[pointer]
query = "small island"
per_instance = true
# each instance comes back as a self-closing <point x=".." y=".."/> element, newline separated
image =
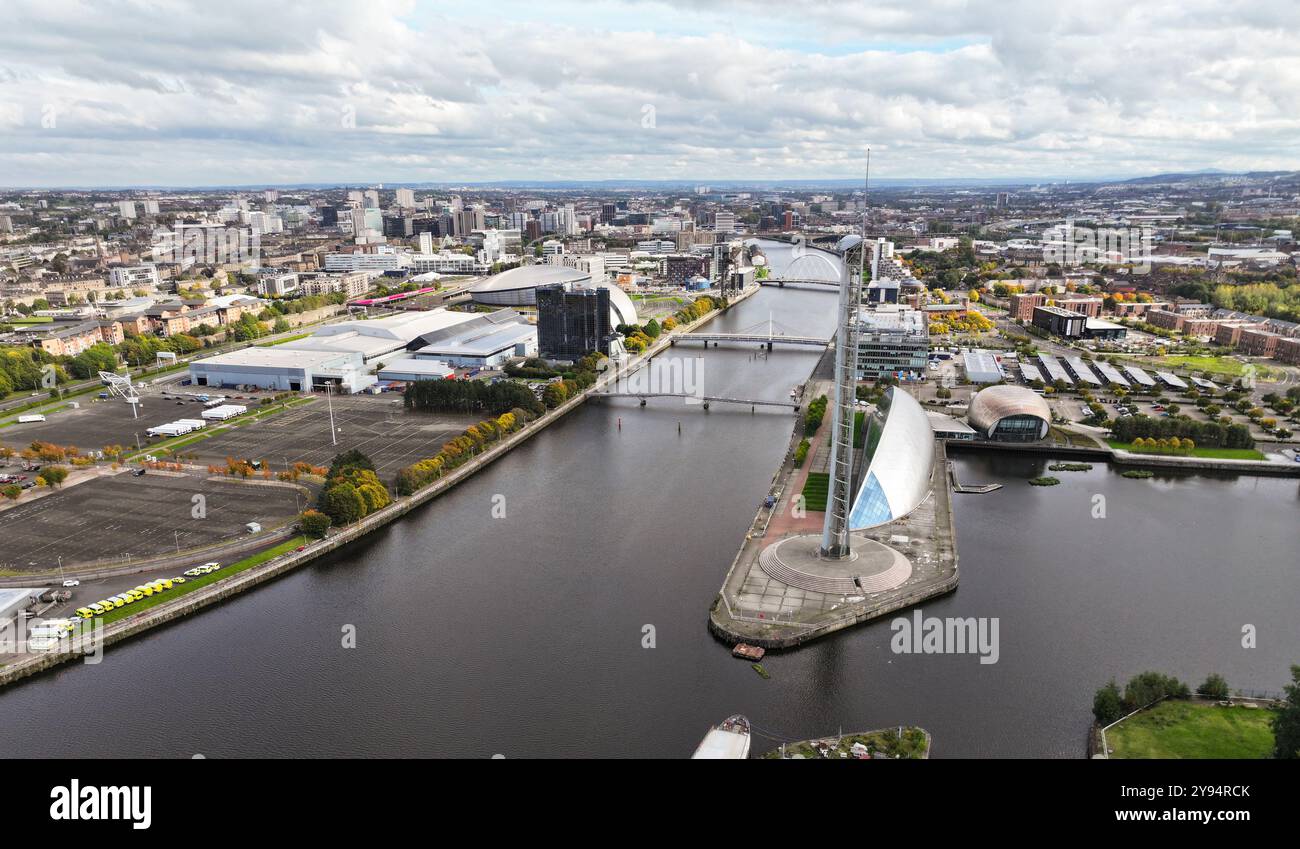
<point x="1070" y="467"/>
<point x="901" y="743"/>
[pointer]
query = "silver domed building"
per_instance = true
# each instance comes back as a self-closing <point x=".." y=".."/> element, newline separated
<point x="1007" y="413"/>
<point x="517" y="287"/>
<point x="898" y="478"/>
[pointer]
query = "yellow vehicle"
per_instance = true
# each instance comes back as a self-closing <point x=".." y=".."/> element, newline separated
<point x="178" y="580"/>
<point x="117" y="601"/>
<point x="85" y="612"/>
<point x="134" y="595"/>
<point x="166" y="583"/>
<point x="148" y="591"/>
<point x="98" y="609"/>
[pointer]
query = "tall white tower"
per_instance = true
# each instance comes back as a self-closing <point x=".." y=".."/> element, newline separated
<point x="835" y="528"/>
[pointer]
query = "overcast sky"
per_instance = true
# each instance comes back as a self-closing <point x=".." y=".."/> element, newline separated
<point x="110" y="92"/>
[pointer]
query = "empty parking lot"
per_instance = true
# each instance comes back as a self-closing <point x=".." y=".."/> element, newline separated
<point x="376" y="425"/>
<point x="104" y="520"/>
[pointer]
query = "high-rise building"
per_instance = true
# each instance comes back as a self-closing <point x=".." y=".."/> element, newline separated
<point x="724" y="221"/>
<point x="406" y="198"/>
<point x="680" y="268"/>
<point x="126" y="208"/>
<point x="572" y="321"/>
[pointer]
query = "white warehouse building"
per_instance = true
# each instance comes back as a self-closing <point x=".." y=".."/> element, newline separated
<point x="341" y="355"/>
<point x="284" y="369"/>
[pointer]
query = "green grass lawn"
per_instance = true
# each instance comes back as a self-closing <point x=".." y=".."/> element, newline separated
<point x="192" y="584"/>
<point x="293" y="338"/>
<point x="1208" y="453"/>
<point x="1184" y="729"/>
<point x="1223" y="366"/>
<point x="815" y="490"/>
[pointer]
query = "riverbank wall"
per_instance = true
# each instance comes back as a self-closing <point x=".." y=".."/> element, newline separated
<point x="1127" y="458"/>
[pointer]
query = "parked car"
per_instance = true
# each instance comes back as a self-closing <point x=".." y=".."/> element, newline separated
<point x="72" y="583"/>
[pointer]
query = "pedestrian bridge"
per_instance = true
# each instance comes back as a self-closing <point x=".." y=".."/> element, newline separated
<point x="767" y="340"/>
<point x="704" y="400"/>
<point x="782" y="281"/>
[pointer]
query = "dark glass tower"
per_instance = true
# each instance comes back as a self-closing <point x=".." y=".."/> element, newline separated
<point x="572" y="321"/>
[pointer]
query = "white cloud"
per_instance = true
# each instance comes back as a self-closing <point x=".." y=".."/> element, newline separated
<point x="247" y="92"/>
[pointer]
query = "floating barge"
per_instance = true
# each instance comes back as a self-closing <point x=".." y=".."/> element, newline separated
<point x="748" y="652"/>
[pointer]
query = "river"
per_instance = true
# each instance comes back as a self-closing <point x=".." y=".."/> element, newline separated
<point x="523" y="635"/>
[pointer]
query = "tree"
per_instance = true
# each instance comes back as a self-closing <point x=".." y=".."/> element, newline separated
<point x="1149" y="687"/>
<point x="12" y="491"/>
<point x="1214" y="687"/>
<point x="342" y="503"/>
<point x="1286" y="724"/>
<point x="349" y="460"/>
<point x="1107" y="705"/>
<point x="54" y="476"/>
<point x="314" y="523"/>
<point x="554" y="395"/>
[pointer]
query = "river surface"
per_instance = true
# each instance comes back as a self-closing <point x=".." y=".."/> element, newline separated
<point x="523" y="635"/>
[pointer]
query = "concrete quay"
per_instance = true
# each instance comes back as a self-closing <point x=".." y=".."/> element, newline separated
<point x="783" y="604"/>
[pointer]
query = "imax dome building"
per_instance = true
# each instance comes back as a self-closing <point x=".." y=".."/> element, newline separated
<point x="1006" y="413"/>
<point x="517" y="287"/>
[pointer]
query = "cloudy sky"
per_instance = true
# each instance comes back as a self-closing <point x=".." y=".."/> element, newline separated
<point x="115" y="92"/>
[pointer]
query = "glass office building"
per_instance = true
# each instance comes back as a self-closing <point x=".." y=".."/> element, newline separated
<point x="894" y="342"/>
<point x="572" y="321"/>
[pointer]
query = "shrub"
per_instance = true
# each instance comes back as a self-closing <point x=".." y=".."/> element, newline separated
<point x="315" y="523"/>
<point x="1214" y="686"/>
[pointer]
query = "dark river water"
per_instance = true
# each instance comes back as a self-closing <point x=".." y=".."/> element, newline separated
<point x="523" y="635"/>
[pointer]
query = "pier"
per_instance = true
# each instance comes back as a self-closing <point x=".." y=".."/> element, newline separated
<point x="973" y="488"/>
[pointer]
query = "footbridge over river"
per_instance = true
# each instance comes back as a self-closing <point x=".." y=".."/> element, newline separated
<point x="702" y="400"/>
<point x="764" y="334"/>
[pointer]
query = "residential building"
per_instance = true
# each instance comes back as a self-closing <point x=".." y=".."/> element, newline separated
<point x="1024" y="303"/>
<point x="573" y="320"/>
<point x="134" y="277"/>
